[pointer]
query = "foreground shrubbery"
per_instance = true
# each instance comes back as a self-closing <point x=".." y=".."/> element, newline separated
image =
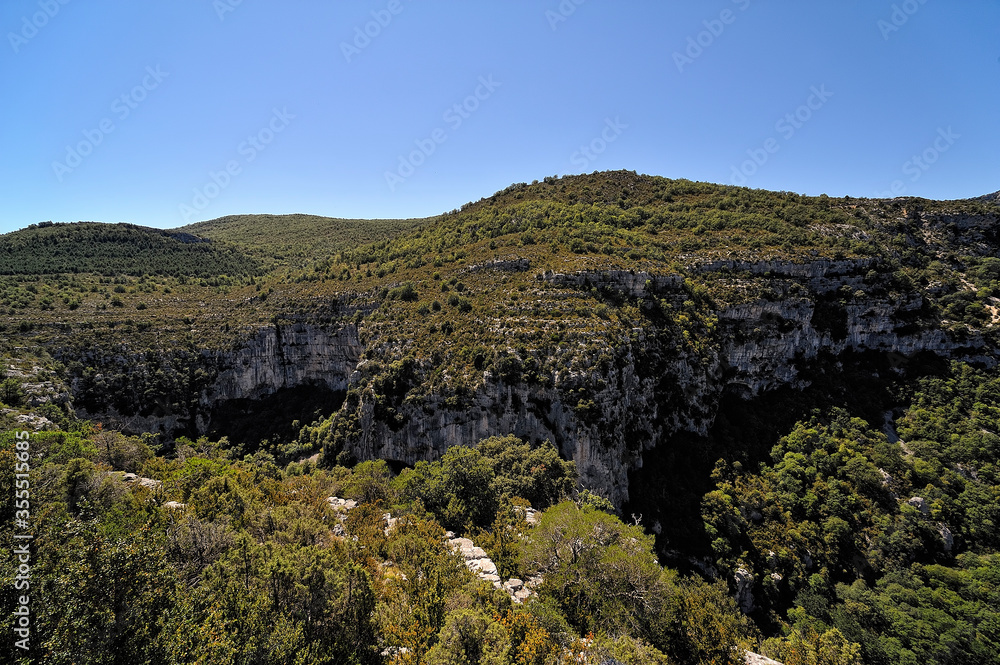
<point x="858" y="549"/>
<point x="253" y="570"/>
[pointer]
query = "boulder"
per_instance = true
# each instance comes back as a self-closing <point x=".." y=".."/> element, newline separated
<point x="946" y="537"/>
<point x="341" y="504"/>
<point x="920" y="504"/>
<point x="149" y="483"/>
<point x="522" y="595"/>
<point x="513" y="585"/>
<point x="482" y="565"/>
<point x="744" y="590"/>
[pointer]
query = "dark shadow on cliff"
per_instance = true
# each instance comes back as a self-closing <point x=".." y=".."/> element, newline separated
<point x="248" y="422"/>
<point x="667" y="490"/>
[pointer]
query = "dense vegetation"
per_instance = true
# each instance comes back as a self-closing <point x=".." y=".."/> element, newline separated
<point x="293" y="240"/>
<point x="255" y="567"/>
<point x="117" y="249"/>
<point x="842" y="543"/>
<point x="860" y="550"/>
<point x="895" y="544"/>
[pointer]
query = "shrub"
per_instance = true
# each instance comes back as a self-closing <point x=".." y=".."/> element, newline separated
<point x="601" y="572"/>
<point x="11" y="392"/>
<point x="407" y="293"/>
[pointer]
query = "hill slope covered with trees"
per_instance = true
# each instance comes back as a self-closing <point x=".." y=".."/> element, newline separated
<point x="749" y="419"/>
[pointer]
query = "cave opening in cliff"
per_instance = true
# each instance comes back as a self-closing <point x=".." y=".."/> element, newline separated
<point x="275" y="419"/>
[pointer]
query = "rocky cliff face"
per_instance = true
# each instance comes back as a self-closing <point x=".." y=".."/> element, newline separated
<point x="279" y="357"/>
<point x="766" y="338"/>
<point x="176" y="392"/>
<point x="652" y="389"/>
<point x="629" y="408"/>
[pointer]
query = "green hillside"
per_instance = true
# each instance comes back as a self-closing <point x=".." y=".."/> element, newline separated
<point x="747" y="420"/>
<point x="117" y="249"/>
<point x="295" y="240"/>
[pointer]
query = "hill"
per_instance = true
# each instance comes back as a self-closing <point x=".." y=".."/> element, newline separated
<point x="793" y="393"/>
<point x="296" y="240"/>
<point x="117" y="249"/>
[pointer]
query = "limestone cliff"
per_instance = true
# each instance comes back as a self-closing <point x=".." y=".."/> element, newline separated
<point x="602" y="413"/>
<point x="176" y="391"/>
<point x="652" y="389"/>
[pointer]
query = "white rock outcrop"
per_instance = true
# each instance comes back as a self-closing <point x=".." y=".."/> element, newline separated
<point x="483" y="567"/>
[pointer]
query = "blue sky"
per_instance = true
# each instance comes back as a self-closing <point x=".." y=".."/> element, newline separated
<point x="167" y="112"/>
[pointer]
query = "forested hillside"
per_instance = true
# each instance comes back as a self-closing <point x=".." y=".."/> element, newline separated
<point x="292" y="240"/>
<point x="117" y="249"/>
<point x="747" y="420"/>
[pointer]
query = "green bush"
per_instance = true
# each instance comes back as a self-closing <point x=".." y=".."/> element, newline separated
<point x="11" y="392"/>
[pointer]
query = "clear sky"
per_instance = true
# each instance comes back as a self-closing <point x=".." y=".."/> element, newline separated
<point x="163" y="112"/>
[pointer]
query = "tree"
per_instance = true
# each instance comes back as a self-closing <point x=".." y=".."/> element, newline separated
<point x="504" y="538"/>
<point x="101" y="592"/>
<point x="705" y="625"/>
<point x="830" y="648"/>
<point x="455" y="490"/>
<point x="469" y="637"/>
<point x="536" y="474"/>
<point x="277" y="603"/>
<point x="11" y="392"/>
<point x="370" y="482"/>
<point x="602" y="572"/>
<point x="468" y="485"/>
